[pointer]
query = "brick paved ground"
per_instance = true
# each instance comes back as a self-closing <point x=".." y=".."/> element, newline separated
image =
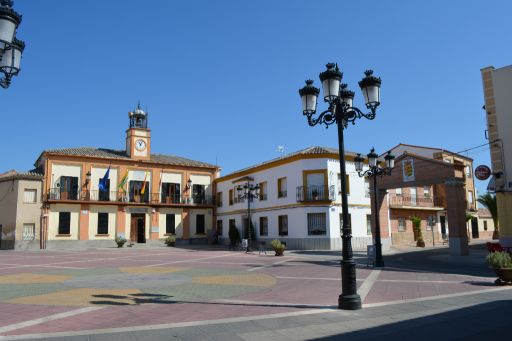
<point x="91" y="292"/>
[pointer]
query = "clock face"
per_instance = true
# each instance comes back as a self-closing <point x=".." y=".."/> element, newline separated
<point x="140" y="145"/>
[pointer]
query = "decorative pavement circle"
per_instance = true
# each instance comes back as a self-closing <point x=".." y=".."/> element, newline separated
<point x="129" y="286"/>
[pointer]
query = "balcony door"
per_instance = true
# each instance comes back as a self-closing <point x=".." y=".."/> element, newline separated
<point x="68" y="188"/>
<point x="413" y="196"/>
<point x="199" y="194"/>
<point x="136" y="191"/>
<point x="170" y="193"/>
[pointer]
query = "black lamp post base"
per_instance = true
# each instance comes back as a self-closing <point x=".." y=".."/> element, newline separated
<point x="379" y="264"/>
<point x="349" y="302"/>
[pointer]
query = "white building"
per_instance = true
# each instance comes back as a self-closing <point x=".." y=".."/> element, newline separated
<point x="299" y="201"/>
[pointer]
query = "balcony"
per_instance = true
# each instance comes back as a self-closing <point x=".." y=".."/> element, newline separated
<point x="401" y="201"/>
<point x="315" y="193"/>
<point x="56" y="195"/>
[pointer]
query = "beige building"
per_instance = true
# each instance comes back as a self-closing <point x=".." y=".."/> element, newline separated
<point x="485" y="223"/>
<point x="20" y="209"/>
<point x="93" y="195"/>
<point x="498" y="106"/>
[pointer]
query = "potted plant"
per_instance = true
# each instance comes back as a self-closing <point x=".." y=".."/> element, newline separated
<point x="120" y="240"/>
<point x="416" y="224"/>
<point x="170" y="241"/>
<point x="278" y="247"/>
<point x="501" y="262"/>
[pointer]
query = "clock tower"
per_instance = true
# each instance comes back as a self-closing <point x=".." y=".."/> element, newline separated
<point x="138" y="136"/>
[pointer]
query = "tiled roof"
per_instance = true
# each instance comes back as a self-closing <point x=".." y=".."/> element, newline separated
<point x="13" y="174"/>
<point x="484" y="212"/>
<point x="121" y="155"/>
<point x="306" y="151"/>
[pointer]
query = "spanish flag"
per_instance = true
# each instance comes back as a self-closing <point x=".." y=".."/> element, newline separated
<point x="123" y="182"/>
<point x="143" y="190"/>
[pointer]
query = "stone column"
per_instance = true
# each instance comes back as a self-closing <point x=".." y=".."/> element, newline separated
<point x="456" y="207"/>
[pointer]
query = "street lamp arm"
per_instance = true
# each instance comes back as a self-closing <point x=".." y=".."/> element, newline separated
<point x="326" y="117"/>
<point x="351" y="114"/>
<point x="377" y="171"/>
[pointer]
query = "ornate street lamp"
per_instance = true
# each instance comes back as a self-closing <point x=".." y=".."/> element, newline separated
<point x="249" y="192"/>
<point x="341" y="111"/>
<point x="11" y="48"/>
<point x="373" y="171"/>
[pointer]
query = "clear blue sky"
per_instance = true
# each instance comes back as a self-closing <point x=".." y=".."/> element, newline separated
<point x="220" y="78"/>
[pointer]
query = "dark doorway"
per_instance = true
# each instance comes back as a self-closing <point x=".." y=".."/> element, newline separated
<point x="442" y="220"/>
<point x="474" y="228"/>
<point x="138" y="228"/>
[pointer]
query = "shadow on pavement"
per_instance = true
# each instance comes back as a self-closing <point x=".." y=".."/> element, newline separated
<point x="486" y="321"/>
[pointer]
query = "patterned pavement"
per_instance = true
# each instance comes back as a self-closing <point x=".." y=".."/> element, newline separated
<point x="48" y="292"/>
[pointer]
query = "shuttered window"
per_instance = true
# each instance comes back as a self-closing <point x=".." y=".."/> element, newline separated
<point x="64" y="222"/>
<point x="30" y="196"/>
<point x="29" y="231"/>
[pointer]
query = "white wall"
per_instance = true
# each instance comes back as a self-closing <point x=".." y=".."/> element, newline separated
<point x="202" y="180"/>
<point x="97" y="173"/>
<point x="178" y="221"/>
<point x="93" y="221"/>
<point x="207" y="222"/>
<point x="53" y="223"/>
<point x="59" y="170"/>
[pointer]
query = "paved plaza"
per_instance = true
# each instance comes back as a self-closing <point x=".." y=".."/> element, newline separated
<point x="165" y="293"/>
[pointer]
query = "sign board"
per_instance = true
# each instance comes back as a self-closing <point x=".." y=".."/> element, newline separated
<point x="408" y="170"/>
<point x="482" y="172"/>
<point x="370" y="252"/>
<point x="154" y="229"/>
<point x="245" y="242"/>
<point x="137" y="210"/>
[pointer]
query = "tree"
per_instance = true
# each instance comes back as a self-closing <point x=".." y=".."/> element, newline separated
<point x="234" y="235"/>
<point x="488" y="200"/>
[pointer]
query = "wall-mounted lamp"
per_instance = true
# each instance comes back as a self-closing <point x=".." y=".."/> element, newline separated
<point x="87" y="179"/>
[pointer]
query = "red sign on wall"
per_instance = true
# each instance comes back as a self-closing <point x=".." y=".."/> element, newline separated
<point x="482" y="172"/>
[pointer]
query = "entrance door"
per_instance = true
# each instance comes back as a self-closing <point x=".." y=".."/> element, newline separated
<point x="474" y="228"/>
<point x="138" y="228"/>
<point x="442" y="220"/>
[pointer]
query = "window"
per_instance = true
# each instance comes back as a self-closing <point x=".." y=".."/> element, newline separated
<point x="468" y="171"/>
<point x="30" y="196"/>
<point x="263" y="226"/>
<point x="218" y="198"/>
<point x="401" y="224"/>
<point x="102" y="223"/>
<point x="349" y="222"/>
<point x="369" y="224"/>
<point x="219" y="228"/>
<point x="366" y="187"/>
<point x="282" y="188"/>
<point x="485" y="225"/>
<point x="398" y="191"/>
<point x="136" y="194"/>
<point x="283" y="225"/>
<point x="426" y="192"/>
<point x="29" y="231"/>
<point x="347" y="183"/>
<point x="430" y="223"/>
<point x="200" y="224"/>
<point x="68" y="188"/>
<point x="103" y="194"/>
<point x="263" y="190"/>
<point x="230" y="197"/>
<point x="199" y="194"/>
<point x="470" y="197"/>
<point x="170" y="223"/>
<point x="232" y="224"/>
<point x="64" y="222"/>
<point x="171" y="193"/>
<point x="316" y="224"/>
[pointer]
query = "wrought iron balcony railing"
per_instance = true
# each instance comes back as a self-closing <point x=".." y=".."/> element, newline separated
<point x="56" y="194"/>
<point x="315" y="193"/>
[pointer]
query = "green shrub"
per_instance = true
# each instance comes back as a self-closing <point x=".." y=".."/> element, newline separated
<point x="277" y="245"/>
<point x="170" y="240"/>
<point x="234" y="235"/>
<point x="499" y="260"/>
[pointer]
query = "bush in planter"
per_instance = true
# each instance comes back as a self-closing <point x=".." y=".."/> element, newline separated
<point x="278" y="247"/>
<point x="501" y="262"/>
<point x="170" y="241"/>
<point x="120" y="240"/>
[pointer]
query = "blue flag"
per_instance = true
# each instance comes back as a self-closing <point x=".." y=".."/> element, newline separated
<point x="103" y="181"/>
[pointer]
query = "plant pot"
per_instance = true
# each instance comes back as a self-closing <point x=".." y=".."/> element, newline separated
<point x="279" y="252"/>
<point x="120" y="244"/>
<point x="420" y="243"/>
<point x="504" y="275"/>
<point x="171" y="244"/>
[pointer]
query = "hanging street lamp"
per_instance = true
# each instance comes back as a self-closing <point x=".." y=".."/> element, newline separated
<point x="342" y="112"/>
<point x="249" y="192"/>
<point x="11" y="48"/>
<point x="374" y="171"/>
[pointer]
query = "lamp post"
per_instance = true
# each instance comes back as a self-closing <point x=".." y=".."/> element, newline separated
<point x="373" y="171"/>
<point x="249" y="192"/>
<point x="11" y="48"/>
<point x="341" y="112"/>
